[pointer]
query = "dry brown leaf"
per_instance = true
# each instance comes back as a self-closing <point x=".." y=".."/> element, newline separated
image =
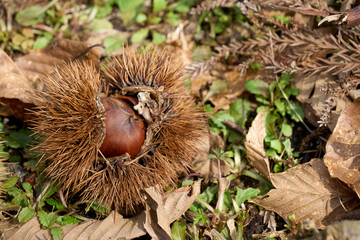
<point x="235" y="87"/>
<point x="311" y="93"/>
<point x="178" y="201"/>
<point x="13" y="83"/>
<point x="163" y="211"/>
<point x="308" y="191"/>
<point x="343" y="147"/>
<point x="39" y="62"/>
<point x="157" y="223"/>
<point x="15" y="88"/>
<point x="254" y="145"/>
<point x="203" y="164"/>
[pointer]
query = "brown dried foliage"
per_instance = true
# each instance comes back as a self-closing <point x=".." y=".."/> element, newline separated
<point x="71" y="122"/>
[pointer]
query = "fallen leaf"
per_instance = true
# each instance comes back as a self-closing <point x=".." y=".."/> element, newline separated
<point x="15" y="88"/>
<point x="235" y="87"/>
<point x="13" y="83"/>
<point x="308" y="191"/>
<point x="178" y="201"/>
<point x="40" y="62"/>
<point x="157" y="223"/>
<point x="163" y="211"/>
<point x="254" y="145"/>
<point x="311" y="93"/>
<point x="231" y="77"/>
<point x="206" y="166"/>
<point x="343" y="147"/>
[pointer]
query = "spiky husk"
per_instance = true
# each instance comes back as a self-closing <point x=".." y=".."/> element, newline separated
<point x="71" y="123"/>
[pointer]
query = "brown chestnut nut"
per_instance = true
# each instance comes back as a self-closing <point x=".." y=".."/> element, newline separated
<point x="125" y="130"/>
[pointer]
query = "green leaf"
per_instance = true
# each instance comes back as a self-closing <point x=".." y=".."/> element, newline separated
<point x="257" y="87"/>
<point x="178" y="230"/>
<point x="216" y="87"/>
<point x="271" y="153"/>
<point x="51" y="190"/>
<point x="114" y="42"/>
<point x="183" y="6"/>
<point x="19" y="139"/>
<point x="42" y="42"/>
<point x="30" y="16"/>
<point x="158" y="38"/>
<point x="208" y="195"/>
<point x="46" y="220"/>
<point x="103" y="11"/>
<point x="155" y="20"/>
<point x="280" y="106"/>
<point x="26" y="214"/>
<point x="277" y="145"/>
<point x="159" y="5"/>
<point x="240" y="110"/>
<point x="56" y="233"/>
<point x="67" y="220"/>
<point x="279" y="167"/>
<point x="55" y="203"/>
<point x="10" y="182"/>
<point x="285" y="80"/>
<point x="140" y="18"/>
<point x="28" y="188"/>
<point x="129" y="9"/>
<point x="287" y="146"/>
<point x="20" y="200"/>
<point x="245" y="195"/>
<point x="255" y="65"/>
<point x="298" y="109"/>
<point x="33" y="15"/>
<point x="100" y="24"/>
<point x="287" y="130"/>
<point x="173" y="18"/>
<point x="282" y="18"/>
<point x="140" y="35"/>
<point x="13" y="191"/>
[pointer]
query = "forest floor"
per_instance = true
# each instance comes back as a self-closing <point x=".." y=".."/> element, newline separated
<point x="277" y="82"/>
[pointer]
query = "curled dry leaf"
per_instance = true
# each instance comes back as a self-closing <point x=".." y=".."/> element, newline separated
<point x="171" y="206"/>
<point x="203" y="164"/>
<point x="254" y="145"/>
<point x="343" y="148"/>
<point x="308" y="191"/>
<point x="234" y="85"/>
<point x="15" y="88"/>
<point x="178" y="201"/>
<point x="157" y="222"/>
<point x="41" y="62"/>
<point x="312" y="95"/>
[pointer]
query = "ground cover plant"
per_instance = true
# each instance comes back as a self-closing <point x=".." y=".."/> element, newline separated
<point x="250" y="110"/>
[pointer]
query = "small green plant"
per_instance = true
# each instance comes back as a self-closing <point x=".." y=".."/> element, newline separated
<point x="281" y="114"/>
<point x="238" y="113"/>
<point x="37" y="201"/>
